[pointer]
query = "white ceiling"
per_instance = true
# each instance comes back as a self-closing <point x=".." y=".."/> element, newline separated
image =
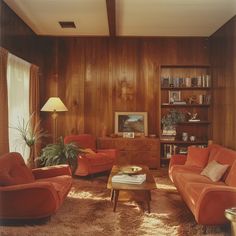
<point x="133" y="17"/>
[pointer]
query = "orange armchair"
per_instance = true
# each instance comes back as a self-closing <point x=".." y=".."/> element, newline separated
<point x="31" y="194"/>
<point x="94" y="160"/>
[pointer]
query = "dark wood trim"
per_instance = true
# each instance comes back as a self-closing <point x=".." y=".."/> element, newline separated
<point x="111" y="15"/>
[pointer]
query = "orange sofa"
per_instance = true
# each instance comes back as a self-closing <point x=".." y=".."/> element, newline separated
<point x="93" y="160"/>
<point x="206" y="199"/>
<point x="31" y="194"/>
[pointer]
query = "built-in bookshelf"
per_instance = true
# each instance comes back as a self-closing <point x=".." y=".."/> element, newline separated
<point x="187" y="90"/>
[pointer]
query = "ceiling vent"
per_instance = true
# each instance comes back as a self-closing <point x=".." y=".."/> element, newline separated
<point x="67" y="24"/>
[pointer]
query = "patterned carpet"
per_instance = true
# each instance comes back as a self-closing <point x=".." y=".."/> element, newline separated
<point x="88" y="211"/>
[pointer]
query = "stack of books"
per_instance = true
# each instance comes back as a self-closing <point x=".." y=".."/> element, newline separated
<point x="129" y="179"/>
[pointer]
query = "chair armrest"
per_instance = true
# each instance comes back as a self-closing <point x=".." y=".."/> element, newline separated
<point x="32" y="200"/>
<point x="178" y="159"/>
<point x="51" y="171"/>
<point x="110" y="152"/>
<point x="212" y="203"/>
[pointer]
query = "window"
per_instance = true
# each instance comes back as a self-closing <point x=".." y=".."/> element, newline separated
<point x="18" y="77"/>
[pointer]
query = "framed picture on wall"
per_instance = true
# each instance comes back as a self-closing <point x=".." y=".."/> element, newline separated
<point x="131" y="122"/>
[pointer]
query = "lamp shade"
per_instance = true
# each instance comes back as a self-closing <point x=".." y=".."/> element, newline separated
<point x="54" y="104"/>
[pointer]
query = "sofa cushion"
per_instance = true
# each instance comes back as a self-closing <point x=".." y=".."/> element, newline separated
<point x="225" y="156"/>
<point x="214" y="149"/>
<point x="185" y="169"/>
<point x="13" y="170"/>
<point x="184" y="178"/>
<point x="214" y="170"/>
<point x="231" y="178"/>
<point x="197" y="156"/>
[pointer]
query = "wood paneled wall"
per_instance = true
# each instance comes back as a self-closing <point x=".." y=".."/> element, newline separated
<point x="223" y="60"/>
<point x="97" y="76"/>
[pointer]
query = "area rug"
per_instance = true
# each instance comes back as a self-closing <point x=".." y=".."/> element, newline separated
<point x="88" y="211"/>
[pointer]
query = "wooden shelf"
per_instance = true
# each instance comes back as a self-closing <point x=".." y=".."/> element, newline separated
<point x="184" y="66"/>
<point x="188" y="80"/>
<point x="185" y="88"/>
<point x="202" y="122"/>
<point x="197" y="142"/>
<point x="185" y="105"/>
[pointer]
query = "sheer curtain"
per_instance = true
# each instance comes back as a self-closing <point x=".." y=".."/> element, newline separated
<point x="18" y="77"/>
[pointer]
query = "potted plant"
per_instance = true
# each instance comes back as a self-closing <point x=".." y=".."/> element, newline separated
<point x="29" y="135"/>
<point x="170" y="120"/>
<point x="60" y="153"/>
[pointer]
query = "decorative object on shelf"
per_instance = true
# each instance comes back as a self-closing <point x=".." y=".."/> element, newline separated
<point x="192" y="100"/>
<point x="128" y="134"/>
<point x="170" y="120"/>
<point x="54" y="105"/>
<point x="185" y="136"/>
<point x="193" y="117"/>
<point x="192" y="138"/>
<point x="135" y="122"/>
<point x="174" y="96"/>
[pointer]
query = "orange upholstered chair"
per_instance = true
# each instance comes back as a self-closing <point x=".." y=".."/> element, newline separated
<point x="94" y="160"/>
<point x="31" y="194"/>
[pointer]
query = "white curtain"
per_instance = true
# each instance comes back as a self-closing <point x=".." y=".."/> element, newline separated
<point x="18" y="77"/>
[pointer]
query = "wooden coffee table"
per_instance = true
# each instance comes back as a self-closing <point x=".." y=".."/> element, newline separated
<point x="145" y="187"/>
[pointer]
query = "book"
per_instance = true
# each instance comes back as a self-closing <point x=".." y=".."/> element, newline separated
<point x="129" y="179"/>
<point x="194" y="120"/>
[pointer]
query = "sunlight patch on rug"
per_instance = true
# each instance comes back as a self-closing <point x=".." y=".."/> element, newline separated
<point x="165" y="187"/>
<point x="86" y="195"/>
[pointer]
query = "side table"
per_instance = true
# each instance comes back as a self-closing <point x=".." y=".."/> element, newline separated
<point x="230" y="214"/>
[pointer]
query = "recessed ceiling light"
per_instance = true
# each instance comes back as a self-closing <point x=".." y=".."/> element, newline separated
<point x="67" y="24"/>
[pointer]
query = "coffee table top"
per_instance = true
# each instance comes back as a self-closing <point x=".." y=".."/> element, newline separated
<point x="147" y="185"/>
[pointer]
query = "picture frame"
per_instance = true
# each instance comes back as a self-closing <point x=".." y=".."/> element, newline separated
<point x="131" y="122"/>
<point x="174" y="96"/>
<point x="128" y="134"/>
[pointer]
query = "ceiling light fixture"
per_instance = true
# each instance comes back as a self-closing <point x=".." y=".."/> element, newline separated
<point x="67" y="24"/>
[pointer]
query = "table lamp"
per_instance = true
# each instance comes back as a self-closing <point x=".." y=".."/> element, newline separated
<point x="54" y="105"/>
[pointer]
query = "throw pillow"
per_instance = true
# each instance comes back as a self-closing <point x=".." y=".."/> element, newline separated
<point x="197" y="156"/>
<point x="214" y="170"/>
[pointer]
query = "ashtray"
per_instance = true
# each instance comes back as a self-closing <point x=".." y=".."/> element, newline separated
<point x="131" y="169"/>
